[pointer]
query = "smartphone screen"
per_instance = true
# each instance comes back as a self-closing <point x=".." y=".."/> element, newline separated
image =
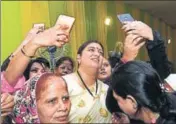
<point x="41" y="26"/>
<point x="125" y="17"/>
<point x="67" y="20"/>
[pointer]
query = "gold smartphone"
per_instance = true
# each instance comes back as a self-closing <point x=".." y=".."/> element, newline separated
<point x="67" y="20"/>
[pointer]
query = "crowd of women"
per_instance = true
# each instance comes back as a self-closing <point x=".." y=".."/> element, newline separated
<point x="100" y="90"/>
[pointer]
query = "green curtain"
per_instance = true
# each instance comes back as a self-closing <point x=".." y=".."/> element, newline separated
<point x="112" y="33"/>
<point x="78" y="35"/>
<point x="11" y="33"/>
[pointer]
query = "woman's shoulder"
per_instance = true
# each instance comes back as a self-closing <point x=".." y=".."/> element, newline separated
<point x="72" y="83"/>
<point x="69" y="77"/>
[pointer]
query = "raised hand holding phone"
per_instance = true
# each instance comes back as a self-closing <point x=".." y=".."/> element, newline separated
<point x="130" y="26"/>
<point x="61" y="21"/>
<point x="37" y="28"/>
<point x="133" y="42"/>
<point x="127" y="21"/>
<point x="67" y="21"/>
<point x="139" y="28"/>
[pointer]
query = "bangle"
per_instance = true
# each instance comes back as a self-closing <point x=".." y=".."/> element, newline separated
<point x="22" y="50"/>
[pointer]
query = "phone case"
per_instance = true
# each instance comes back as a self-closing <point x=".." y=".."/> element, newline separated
<point x="67" y="20"/>
<point x="125" y="17"/>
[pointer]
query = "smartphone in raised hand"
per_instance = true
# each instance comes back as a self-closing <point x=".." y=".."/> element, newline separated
<point x="125" y="17"/>
<point x="41" y="26"/>
<point x="67" y="20"/>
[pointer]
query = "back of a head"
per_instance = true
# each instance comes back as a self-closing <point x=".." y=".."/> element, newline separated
<point x="140" y="80"/>
<point x="114" y="58"/>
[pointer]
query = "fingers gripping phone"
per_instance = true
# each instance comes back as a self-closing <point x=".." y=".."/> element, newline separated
<point x="66" y="20"/>
<point x="41" y="26"/>
<point x="61" y="20"/>
<point x="125" y="17"/>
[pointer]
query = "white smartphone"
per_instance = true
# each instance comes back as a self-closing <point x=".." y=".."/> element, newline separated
<point x="41" y="26"/>
<point x="67" y="20"/>
<point x="125" y="17"/>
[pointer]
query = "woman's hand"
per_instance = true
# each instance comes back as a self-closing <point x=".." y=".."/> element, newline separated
<point x="55" y="36"/>
<point x="131" y="46"/>
<point x="138" y="28"/>
<point x="31" y="34"/>
<point x="7" y="104"/>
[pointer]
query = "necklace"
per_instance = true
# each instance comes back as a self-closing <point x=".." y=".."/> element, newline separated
<point x="87" y="86"/>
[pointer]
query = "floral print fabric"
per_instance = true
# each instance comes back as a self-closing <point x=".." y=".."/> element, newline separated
<point x="25" y="109"/>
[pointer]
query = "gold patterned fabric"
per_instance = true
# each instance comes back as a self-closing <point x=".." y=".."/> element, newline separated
<point x="85" y="108"/>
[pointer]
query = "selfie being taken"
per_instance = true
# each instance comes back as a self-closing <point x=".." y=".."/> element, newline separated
<point x="88" y="62"/>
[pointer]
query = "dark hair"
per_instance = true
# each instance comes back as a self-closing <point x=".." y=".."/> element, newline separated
<point x="114" y="58"/>
<point x="5" y="63"/>
<point x="64" y="58"/>
<point x="85" y="44"/>
<point x="39" y="60"/>
<point x="140" y="80"/>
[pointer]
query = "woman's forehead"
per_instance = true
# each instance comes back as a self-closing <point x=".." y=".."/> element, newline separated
<point x="59" y="85"/>
<point x="36" y="64"/>
<point x="66" y="62"/>
<point x="49" y="82"/>
<point x="55" y="81"/>
<point x="94" y="45"/>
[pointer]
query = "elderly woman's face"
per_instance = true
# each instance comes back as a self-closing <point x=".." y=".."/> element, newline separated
<point x="53" y="104"/>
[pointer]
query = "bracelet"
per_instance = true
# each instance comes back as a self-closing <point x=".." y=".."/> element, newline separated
<point x="22" y="50"/>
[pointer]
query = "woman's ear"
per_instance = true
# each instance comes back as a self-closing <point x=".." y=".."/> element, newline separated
<point x="78" y="59"/>
<point x="133" y="101"/>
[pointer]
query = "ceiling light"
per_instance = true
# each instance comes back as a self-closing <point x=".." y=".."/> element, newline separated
<point x="107" y="21"/>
